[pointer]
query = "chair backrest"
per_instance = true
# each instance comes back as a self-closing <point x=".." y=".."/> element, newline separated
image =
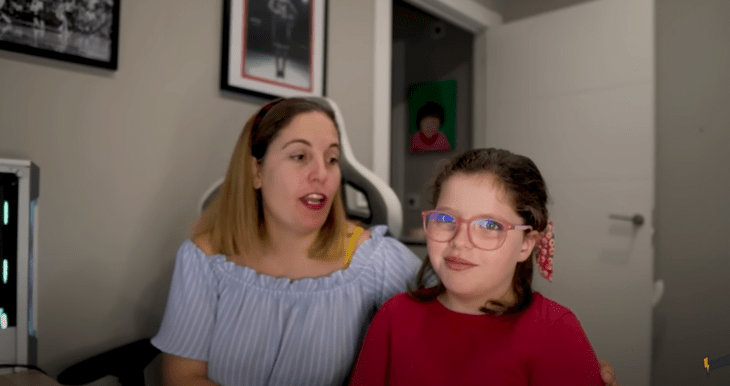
<point x="383" y="206"/>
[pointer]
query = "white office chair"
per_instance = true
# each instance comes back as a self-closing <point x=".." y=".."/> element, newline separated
<point x="383" y="206"/>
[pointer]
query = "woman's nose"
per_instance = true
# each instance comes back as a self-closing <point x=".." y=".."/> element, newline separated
<point x="319" y="170"/>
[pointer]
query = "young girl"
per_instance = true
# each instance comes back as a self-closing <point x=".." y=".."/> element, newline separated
<point x="482" y="323"/>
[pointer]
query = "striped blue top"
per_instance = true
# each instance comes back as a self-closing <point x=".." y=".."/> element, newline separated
<point x="255" y="329"/>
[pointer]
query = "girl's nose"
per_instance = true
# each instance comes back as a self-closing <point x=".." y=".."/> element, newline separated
<point x="461" y="238"/>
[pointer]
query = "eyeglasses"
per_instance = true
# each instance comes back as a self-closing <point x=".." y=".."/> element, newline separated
<point x="484" y="233"/>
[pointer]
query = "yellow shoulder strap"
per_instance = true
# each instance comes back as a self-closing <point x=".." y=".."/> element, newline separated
<point x="351" y="243"/>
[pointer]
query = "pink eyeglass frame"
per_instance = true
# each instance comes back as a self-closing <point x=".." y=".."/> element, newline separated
<point x="459" y="220"/>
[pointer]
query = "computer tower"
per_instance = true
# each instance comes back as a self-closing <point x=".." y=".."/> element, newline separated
<point x="19" y="190"/>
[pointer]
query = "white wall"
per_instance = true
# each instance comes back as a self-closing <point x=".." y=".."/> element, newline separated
<point x="125" y="155"/>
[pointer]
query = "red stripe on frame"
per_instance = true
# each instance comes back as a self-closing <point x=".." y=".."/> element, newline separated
<point x="243" y="36"/>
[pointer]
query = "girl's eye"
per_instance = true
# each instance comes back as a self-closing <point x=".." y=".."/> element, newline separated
<point x="489" y="224"/>
<point x="443" y="217"/>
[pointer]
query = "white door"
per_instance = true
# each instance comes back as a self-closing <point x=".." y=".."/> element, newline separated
<point x="573" y="89"/>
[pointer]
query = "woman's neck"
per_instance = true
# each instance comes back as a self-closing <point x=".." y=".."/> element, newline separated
<point x="288" y="245"/>
<point x="287" y="255"/>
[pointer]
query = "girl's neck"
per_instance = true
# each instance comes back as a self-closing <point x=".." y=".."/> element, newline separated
<point x="473" y="304"/>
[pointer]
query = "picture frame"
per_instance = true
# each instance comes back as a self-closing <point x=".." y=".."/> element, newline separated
<point x="274" y="48"/>
<point x="432" y="112"/>
<point x="84" y="32"/>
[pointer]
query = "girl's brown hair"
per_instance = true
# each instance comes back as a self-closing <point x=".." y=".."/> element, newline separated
<point x="234" y="222"/>
<point x="526" y="190"/>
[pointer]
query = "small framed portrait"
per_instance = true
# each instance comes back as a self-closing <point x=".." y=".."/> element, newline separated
<point x="432" y="109"/>
<point x="274" y="48"/>
<point x="79" y="31"/>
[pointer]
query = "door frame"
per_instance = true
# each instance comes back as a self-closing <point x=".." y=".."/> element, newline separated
<point x="466" y="14"/>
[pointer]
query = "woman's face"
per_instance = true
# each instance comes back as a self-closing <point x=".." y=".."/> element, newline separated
<point x="467" y="272"/>
<point x="300" y="174"/>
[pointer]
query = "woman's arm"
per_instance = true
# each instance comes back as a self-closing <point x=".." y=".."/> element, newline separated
<point x="184" y="372"/>
<point x="187" y="325"/>
<point x="607" y="373"/>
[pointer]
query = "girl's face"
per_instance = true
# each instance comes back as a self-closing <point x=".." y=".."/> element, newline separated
<point x="470" y="274"/>
<point x="430" y="125"/>
<point x="300" y="174"/>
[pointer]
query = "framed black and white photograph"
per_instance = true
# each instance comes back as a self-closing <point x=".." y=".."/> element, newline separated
<point x="274" y="48"/>
<point x="79" y="31"/>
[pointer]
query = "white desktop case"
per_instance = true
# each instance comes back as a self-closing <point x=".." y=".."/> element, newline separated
<point x="19" y="344"/>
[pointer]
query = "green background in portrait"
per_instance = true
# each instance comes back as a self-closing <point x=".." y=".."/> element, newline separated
<point x="442" y="92"/>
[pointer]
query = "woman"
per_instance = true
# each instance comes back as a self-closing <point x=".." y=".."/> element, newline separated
<point x="265" y="293"/>
<point x="276" y="286"/>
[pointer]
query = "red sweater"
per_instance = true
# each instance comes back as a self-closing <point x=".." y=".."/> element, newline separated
<point x="414" y="343"/>
<point x="419" y="142"/>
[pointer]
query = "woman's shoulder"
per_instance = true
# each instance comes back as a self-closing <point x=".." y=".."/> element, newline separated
<point x="202" y="242"/>
<point x="364" y="234"/>
<point x="380" y="246"/>
<point x="380" y="237"/>
<point x="197" y="251"/>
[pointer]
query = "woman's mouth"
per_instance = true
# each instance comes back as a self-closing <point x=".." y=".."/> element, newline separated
<point x="314" y="201"/>
<point x="457" y="264"/>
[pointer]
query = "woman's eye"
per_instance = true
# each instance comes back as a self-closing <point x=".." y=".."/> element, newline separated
<point x="297" y="157"/>
<point x="334" y="160"/>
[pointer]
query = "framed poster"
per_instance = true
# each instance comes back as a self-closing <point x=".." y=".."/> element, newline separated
<point x="79" y="31"/>
<point x="432" y="110"/>
<point x="274" y="48"/>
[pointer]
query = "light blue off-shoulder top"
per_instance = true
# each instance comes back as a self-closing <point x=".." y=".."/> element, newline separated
<point x="256" y="329"/>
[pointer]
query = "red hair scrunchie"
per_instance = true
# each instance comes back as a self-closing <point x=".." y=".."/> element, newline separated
<point x="545" y="253"/>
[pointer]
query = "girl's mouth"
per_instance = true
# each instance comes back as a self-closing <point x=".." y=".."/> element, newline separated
<point x="457" y="264"/>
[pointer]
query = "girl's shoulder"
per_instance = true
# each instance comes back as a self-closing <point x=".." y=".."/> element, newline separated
<point x="401" y="300"/>
<point x="403" y="306"/>
<point x="544" y="314"/>
<point x="547" y="308"/>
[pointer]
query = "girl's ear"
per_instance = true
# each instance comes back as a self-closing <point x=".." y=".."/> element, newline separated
<point x="256" y="171"/>
<point x="528" y="243"/>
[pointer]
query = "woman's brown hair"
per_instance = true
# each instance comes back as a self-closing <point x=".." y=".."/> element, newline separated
<point x="527" y="192"/>
<point x="234" y="222"/>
